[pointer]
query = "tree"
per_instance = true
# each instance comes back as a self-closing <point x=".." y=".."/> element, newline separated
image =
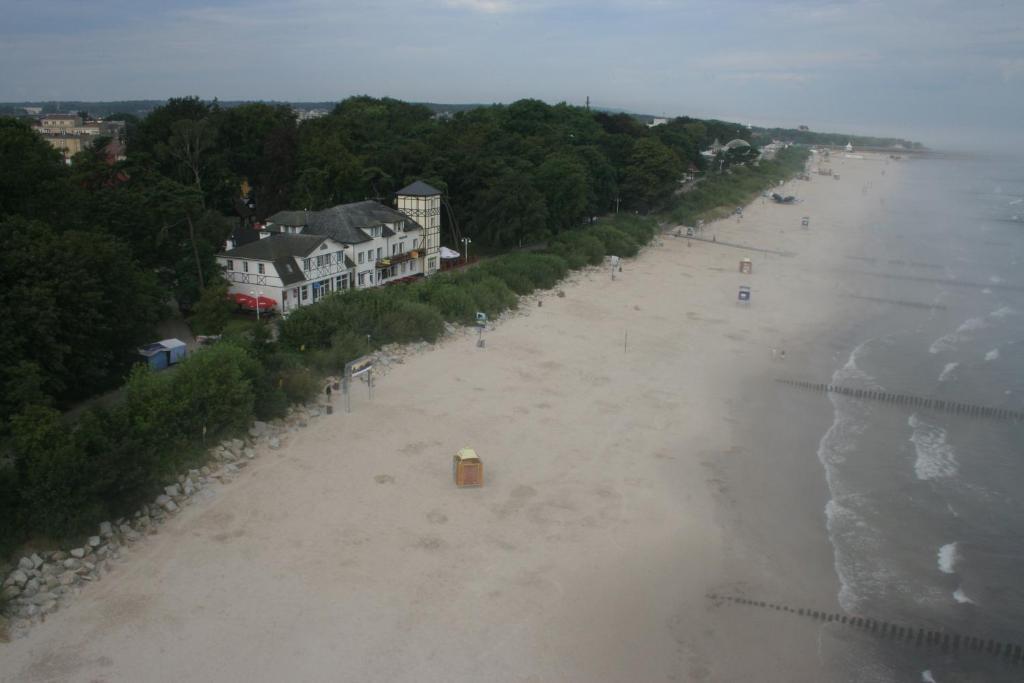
<point x="214" y="308"/>
<point x="565" y="184"/>
<point x="652" y="174"/>
<point x="189" y="143"/>
<point x="32" y="176"/>
<point x="511" y="211"/>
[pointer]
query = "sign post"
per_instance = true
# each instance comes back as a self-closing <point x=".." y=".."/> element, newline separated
<point x="354" y="368"/>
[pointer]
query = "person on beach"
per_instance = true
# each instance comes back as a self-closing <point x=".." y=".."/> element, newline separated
<point x="328" y="392"/>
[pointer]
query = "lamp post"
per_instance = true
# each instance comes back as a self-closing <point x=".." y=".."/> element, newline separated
<point x="257" y="299"/>
<point x="465" y="249"/>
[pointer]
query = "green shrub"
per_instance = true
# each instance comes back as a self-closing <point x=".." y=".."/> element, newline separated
<point x="616" y="242"/>
<point x="452" y="300"/>
<point x="490" y="295"/>
<point x="409" y="321"/>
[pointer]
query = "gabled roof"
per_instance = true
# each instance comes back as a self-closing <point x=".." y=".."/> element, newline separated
<point x="289" y="217"/>
<point x="288" y="270"/>
<point x="419" y="189"/>
<point x="345" y="223"/>
<point x="276" y="247"/>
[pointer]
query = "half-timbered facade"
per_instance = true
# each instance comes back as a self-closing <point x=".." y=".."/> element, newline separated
<point x="293" y="270"/>
<point x="422" y="203"/>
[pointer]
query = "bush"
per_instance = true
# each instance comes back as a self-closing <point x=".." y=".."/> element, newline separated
<point x="616" y="242"/>
<point x="452" y="301"/>
<point x="490" y="295"/>
<point x="214" y="309"/>
<point x="410" y="321"/>
<point x="524" y="273"/>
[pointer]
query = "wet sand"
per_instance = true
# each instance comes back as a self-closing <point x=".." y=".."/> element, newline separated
<point x="638" y="457"/>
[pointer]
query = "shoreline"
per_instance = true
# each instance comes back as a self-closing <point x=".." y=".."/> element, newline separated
<point x="608" y="421"/>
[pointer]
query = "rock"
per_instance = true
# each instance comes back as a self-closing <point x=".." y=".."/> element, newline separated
<point x="26" y="564"/>
<point x="48" y="607"/>
<point x="249" y="453"/>
<point x="205" y="471"/>
<point x="274" y="443"/>
<point x="143" y="522"/>
<point x="173" y="491"/>
<point x="72" y="563"/>
<point x="68" y="578"/>
<point x="58" y="556"/>
<point x="258" y="429"/>
<point x="131" y="535"/>
<point x="237" y="445"/>
<point x="78" y="553"/>
<point x="162" y="500"/>
<point x="28" y="611"/>
<point x="171" y="506"/>
<point x="31" y="588"/>
<point x="43" y="597"/>
<point x="11" y="592"/>
<point x="37" y="561"/>
<point x="17" y="578"/>
<point x="125" y="528"/>
<point x="106" y="530"/>
<point x="94" y="541"/>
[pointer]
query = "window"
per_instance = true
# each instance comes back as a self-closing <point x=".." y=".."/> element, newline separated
<point x="339" y="256"/>
<point x="403" y="266"/>
<point x="231" y="264"/>
<point x="320" y="261"/>
<point x="380" y="252"/>
<point x="362" y="256"/>
<point x="305" y="292"/>
<point x="362" y="279"/>
<point x="245" y="266"/>
<point x="262" y="269"/>
<point x="307" y="263"/>
<point x="415" y="244"/>
<point x="394" y="249"/>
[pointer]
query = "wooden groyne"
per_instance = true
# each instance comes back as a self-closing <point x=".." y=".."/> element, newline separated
<point x="926" y="402"/>
<point x="944" y="641"/>
<point x="898" y="302"/>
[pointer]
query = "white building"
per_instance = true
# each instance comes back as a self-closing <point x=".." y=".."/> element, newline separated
<point x="297" y="257"/>
<point x="422" y="203"/>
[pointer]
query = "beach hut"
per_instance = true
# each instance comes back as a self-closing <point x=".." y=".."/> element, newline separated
<point x="163" y="354"/>
<point x="467" y="468"/>
<point x="746" y="266"/>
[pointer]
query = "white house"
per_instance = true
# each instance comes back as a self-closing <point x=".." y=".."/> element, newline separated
<point x="300" y="256"/>
<point x="293" y="270"/>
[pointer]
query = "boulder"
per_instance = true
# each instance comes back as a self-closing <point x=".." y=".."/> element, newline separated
<point x="171" y="506"/>
<point x="25" y="563"/>
<point x="72" y="563"/>
<point x="17" y="578"/>
<point x="43" y="597"/>
<point x="78" y="553"/>
<point x="94" y="541"/>
<point x="173" y="491"/>
<point x="106" y="530"/>
<point x="37" y="561"/>
<point x="68" y="578"/>
<point x="188" y="488"/>
<point x="58" y="556"/>
<point x="274" y="443"/>
<point x="48" y="607"/>
<point x="162" y="500"/>
<point x="258" y="429"/>
<point x="11" y="592"/>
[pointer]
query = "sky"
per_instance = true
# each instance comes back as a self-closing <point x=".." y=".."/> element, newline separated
<point x="949" y="73"/>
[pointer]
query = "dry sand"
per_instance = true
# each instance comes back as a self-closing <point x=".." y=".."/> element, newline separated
<point x="625" y="480"/>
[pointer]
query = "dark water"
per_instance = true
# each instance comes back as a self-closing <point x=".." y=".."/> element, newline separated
<point x="927" y="510"/>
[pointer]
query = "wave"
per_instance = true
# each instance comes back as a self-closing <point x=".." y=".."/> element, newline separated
<point x="845" y="527"/>
<point x="992" y="355"/>
<point x="947" y="371"/>
<point x="936" y="459"/>
<point x="926" y="676"/>
<point x="948" y="342"/>
<point x="961" y="597"/>
<point x="1016" y="201"/>
<point x="947" y="558"/>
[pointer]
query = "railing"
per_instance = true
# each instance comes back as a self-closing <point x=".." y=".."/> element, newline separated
<point x="397" y="258"/>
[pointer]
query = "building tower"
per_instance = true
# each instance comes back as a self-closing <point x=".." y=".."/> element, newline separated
<point x="422" y="203"/>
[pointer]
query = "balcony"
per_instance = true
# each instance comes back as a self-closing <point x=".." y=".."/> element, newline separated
<point x="398" y="258"/>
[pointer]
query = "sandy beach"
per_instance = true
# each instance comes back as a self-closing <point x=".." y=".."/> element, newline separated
<point x="639" y="456"/>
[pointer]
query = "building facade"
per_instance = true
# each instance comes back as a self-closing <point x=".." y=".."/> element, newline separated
<point x="422" y="203"/>
<point x="297" y="257"/>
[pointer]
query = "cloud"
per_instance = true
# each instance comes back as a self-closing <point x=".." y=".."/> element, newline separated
<point x="483" y="6"/>
<point x="771" y="76"/>
<point x="1011" y="69"/>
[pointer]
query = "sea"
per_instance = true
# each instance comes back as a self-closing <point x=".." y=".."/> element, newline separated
<point x="926" y="509"/>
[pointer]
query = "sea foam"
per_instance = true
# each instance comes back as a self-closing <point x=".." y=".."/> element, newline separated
<point x="947" y="558"/>
<point x="961" y="597"/>
<point x="926" y="676"/>
<point x="936" y="459"/>
<point x="992" y="355"/>
<point x="947" y="371"/>
<point x="948" y="342"/>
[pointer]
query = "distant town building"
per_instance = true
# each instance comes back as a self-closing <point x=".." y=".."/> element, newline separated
<point x="308" y="114"/>
<point x="298" y="257"/>
<point x="69" y="134"/>
<point x="657" y="121"/>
